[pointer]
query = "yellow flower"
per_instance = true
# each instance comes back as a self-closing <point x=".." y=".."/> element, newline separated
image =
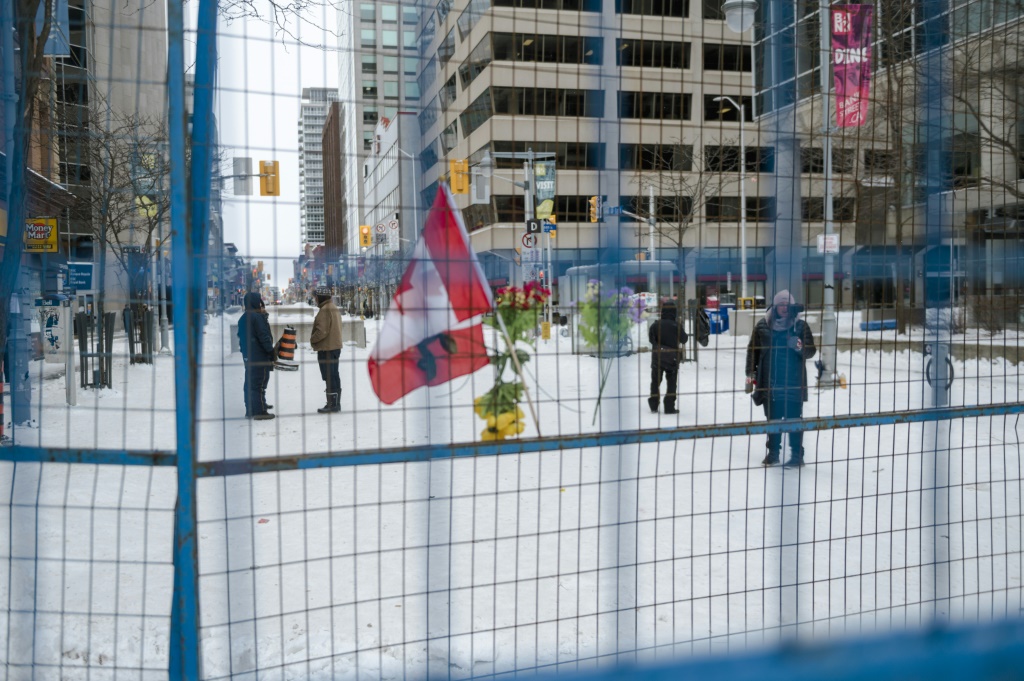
<point x="504" y="420"/>
<point x="489" y="435"/>
<point x="492" y="421"/>
<point x="519" y="414"/>
<point x="479" y="405"/>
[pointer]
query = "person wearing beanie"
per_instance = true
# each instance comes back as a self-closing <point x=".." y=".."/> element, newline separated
<point x="666" y="336"/>
<point x="326" y="340"/>
<point x="257" y="345"/>
<point x="776" y="367"/>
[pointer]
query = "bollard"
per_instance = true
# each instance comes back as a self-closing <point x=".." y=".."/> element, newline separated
<point x="286" y="350"/>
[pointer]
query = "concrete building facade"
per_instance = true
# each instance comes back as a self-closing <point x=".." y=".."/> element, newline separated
<point x="379" y="60"/>
<point x="312" y="116"/>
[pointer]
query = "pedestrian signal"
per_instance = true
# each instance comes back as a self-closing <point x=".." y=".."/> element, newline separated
<point x="459" y="172"/>
<point x="365" y="237"/>
<point x="270" y="184"/>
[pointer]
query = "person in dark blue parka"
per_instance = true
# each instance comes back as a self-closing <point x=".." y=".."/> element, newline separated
<point x="257" y="344"/>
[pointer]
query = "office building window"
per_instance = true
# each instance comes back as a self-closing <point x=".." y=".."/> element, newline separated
<point x="725" y="111"/>
<point x="369" y="63"/>
<point x="370" y="116"/>
<point x="568" y="155"/>
<point x="668" y="106"/>
<point x="448" y="93"/>
<point x="410" y="65"/>
<point x="409" y="40"/>
<point x="712" y="9"/>
<point x="367" y="37"/>
<point x="450" y="137"/>
<point x="367" y="11"/>
<point x="471" y="15"/>
<point x="652" y="53"/>
<point x="654" y="8"/>
<point x="389" y="39"/>
<point x="447" y="48"/>
<point x="477" y="113"/>
<point x="660" y="157"/>
<point x="722" y="208"/>
<point x="410" y="15"/>
<point x="389" y="14"/>
<point x="390" y="64"/>
<point x="367" y="140"/>
<point x="548" y="102"/>
<point x="761" y="208"/>
<point x="390" y="89"/>
<point x="412" y="89"/>
<point x="369" y="89"/>
<point x="559" y="49"/>
<point x="812" y="209"/>
<point x="722" y="159"/>
<point x="477" y="61"/>
<point x="727" y="57"/>
<point x="565" y="5"/>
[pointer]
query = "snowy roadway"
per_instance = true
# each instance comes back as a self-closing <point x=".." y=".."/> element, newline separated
<point x="487" y="565"/>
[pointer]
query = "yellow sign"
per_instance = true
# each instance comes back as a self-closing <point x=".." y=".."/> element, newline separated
<point x="545" y="330"/>
<point x="41" y="235"/>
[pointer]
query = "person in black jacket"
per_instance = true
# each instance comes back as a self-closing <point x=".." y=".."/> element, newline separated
<point x="776" y="366"/>
<point x="666" y="336"/>
<point x="257" y="345"/>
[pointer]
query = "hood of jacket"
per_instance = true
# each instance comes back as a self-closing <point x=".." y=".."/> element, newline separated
<point x="253" y="301"/>
<point x="668" y="310"/>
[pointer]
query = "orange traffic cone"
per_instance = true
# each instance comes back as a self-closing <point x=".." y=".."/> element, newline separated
<point x="286" y="351"/>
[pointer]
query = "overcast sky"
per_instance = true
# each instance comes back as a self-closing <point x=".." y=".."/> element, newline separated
<point x="261" y="76"/>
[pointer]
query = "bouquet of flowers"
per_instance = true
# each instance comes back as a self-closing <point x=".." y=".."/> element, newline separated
<point x="606" y="319"/>
<point x="519" y="310"/>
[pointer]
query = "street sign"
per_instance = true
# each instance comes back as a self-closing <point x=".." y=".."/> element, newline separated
<point x="828" y="244"/>
<point x="380" y="238"/>
<point x="549" y="227"/>
<point x="80" y="276"/>
<point x="529" y="241"/>
<point x="393" y="238"/>
<point x="41" y="235"/>
<point x="533" y="227"/>
<point x="380" y="228"/>
<point x="613" y="210"/>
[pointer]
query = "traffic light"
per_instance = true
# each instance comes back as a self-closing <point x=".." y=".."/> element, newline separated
<point x="270" y="184"/>
<point x="365" y="238"/>
<point x="595" y="208"/>
<point x="459" y="172"/>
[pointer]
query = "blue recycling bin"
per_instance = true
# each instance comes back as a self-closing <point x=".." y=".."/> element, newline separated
<point x="715" y="319"/>
<point x="724" y="308"/>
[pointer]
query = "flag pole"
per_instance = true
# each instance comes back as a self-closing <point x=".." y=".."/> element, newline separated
<point x="519" y="369"/>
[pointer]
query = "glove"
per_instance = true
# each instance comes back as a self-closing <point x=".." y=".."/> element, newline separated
<point x="749" y="387"/>
<point x="795" y="344"/>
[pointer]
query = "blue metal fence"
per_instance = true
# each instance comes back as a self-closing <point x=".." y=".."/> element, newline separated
<point x="635" y="491"/>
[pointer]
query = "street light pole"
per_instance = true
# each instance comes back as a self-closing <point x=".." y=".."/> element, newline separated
<point x="829" y="325"/>
<point x="652" y="278"/>
<point x="743" y="191"/>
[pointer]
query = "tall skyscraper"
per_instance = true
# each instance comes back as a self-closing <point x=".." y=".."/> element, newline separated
<point x="313" y="115"/>
<point x="379" y="60"/>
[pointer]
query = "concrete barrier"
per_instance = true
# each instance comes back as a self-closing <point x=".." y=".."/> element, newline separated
<point x="352" y="330"/>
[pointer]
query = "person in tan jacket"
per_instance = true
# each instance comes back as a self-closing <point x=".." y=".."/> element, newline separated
<point x="326" y="340"/>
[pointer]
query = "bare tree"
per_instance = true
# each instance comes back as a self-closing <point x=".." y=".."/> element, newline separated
<point x="683" y="183"/>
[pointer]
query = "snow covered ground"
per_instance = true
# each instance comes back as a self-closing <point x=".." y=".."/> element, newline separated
<point x="480" y="566"/>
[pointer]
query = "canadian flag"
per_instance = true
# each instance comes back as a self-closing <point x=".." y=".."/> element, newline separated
<point x="432" y="332"/>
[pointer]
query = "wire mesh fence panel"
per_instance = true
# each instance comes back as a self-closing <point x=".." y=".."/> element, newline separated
<point x="489" y="338"/>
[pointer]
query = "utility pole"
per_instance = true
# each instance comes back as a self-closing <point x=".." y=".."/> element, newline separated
<point x="652" y="277"/>
<point x="829" y="325"/>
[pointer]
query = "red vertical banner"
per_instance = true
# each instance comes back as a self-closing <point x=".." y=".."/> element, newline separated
<point x="851" y="62"/>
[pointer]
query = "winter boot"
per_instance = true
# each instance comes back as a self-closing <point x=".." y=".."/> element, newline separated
<point x="670" y="407"/>
<point x="263" y="417"/>
<point x="333" y="405"/>
<point x="796" y="458"/>
<point x="652" y="402"/>
<point x="772" y="458"/>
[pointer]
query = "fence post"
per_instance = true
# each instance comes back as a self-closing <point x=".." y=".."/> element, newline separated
<point x="107" y="359"/>
<point x="188" y="232"/>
